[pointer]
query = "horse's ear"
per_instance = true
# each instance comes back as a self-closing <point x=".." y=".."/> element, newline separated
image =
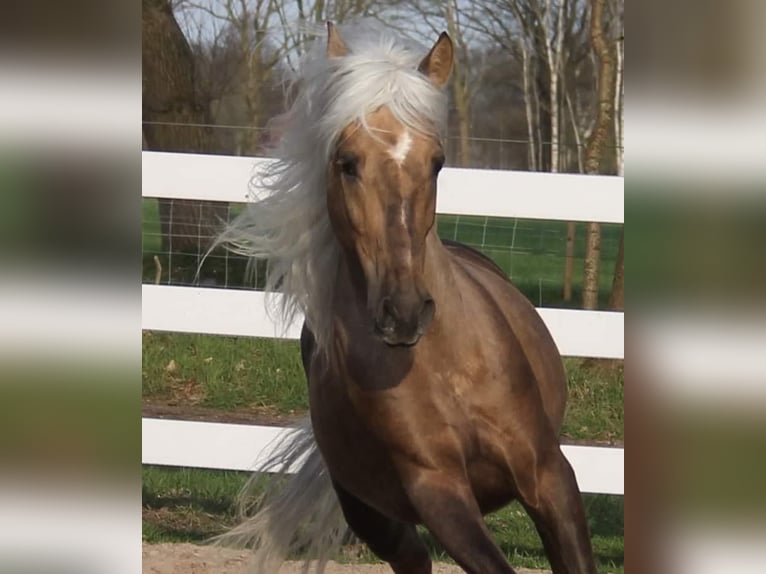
<point x="336" y="47"/>
<point x="437" y="64"/>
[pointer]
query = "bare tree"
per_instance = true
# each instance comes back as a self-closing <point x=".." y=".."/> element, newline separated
<point x="247" y="27"/>
<point x="616" y="18"/>
<point x="530" y="116"/>
<point x="553" y="31"/>
<point x="174" y="120"/>
<point x="548" y="40"/>
<point x="510" y="24"/>
<point x="460" y="82"/>
<point x="572" y="226"/>
<point x="554" y="58"/>
<point x="617" y="296"/>
<point x="604" y="50"/>
<point x="579" y="47"/>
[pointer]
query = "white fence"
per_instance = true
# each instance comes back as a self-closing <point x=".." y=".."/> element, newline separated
<point x="242" y="313"/>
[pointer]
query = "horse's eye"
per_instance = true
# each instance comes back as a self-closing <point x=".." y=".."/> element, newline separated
<point x="438" y="163"/>
<point x="348" y="164"/>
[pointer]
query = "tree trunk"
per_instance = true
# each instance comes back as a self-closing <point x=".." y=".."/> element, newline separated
<point x="169" y="102"/>
<point x="617" y="297"/>
<point x="571" y="226"/>
<point x="258" y="72"/>
<point x="460" y="91"/>
<point x="541" y="90"/>
<point x="531" y="153"/>
<point x="554" y="69"/>
<point x="596" y="144"/>
<point x="463" y="114"/>
<point x="576" y="133"/>
<point x="618" y="115"/>
<point x="592" y="262"/>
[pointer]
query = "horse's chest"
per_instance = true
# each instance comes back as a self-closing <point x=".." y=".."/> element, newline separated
<point x="357" y="459"/>
<point x="367" y="415"/>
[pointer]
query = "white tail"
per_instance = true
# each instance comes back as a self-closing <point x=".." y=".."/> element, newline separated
<point x="297" y="515"/>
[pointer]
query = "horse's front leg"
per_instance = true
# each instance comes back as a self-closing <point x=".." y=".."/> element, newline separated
<point x="553" y="501"/>
<point x="447" y="507"/>
<point x="395" y="542"/>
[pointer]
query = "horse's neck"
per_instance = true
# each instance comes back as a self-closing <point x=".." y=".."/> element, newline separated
<point x="438" y="271"/>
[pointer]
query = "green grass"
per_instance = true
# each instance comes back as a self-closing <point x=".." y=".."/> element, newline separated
<point x="188" y="505"/>
<point x="595" y="411"/>
<point x="223" y="372"/>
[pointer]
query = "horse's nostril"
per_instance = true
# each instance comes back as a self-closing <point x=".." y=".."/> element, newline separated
<point x="386" y="321"/>
<point x="404" y="320"/>
<point x="427" y="312"/>
<point x="389" y="311"/>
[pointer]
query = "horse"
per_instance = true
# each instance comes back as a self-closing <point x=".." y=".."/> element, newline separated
<point x="436" y="392"/>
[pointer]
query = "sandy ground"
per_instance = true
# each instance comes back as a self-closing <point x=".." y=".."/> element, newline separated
<point x="191" y="559"/>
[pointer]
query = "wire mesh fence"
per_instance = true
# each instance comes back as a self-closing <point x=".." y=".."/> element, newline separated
<point x="177" y="235"/>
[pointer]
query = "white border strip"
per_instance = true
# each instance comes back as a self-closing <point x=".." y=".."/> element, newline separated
<point x="483" y="192"/>
<point x="243" y="313"/>
<point x="241" y="447"/>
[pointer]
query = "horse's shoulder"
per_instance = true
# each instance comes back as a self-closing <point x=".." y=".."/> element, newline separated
<point x="466" y="253"/>
<point x="481" y="269"/>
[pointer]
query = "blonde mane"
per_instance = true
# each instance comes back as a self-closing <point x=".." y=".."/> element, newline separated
<point x="290" y="226"/>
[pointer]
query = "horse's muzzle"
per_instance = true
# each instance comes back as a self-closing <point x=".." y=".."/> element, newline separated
<point x="403" y="320"/>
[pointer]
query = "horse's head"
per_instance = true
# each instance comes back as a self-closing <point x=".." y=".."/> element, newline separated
<point x="381" y="197"/>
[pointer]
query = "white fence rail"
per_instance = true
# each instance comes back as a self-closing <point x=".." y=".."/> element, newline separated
<point x="243" y="447"/>
<point x="243" y="313"/>
<point x="566" y="197"/>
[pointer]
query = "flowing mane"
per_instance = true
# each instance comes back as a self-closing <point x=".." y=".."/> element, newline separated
<point x="290" y="226"/>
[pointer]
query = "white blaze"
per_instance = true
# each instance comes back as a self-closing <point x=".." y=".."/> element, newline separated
<point x="402" y="148"/>
<point x="399" y="153"/>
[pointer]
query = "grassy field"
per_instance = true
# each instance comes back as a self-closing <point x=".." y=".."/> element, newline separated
<point x="257" y="377"/>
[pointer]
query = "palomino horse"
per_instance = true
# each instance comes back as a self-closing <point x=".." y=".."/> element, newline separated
<point x="436" y="391"/>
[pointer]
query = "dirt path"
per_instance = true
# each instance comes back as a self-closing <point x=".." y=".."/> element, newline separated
<point x="191" y="559"/>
